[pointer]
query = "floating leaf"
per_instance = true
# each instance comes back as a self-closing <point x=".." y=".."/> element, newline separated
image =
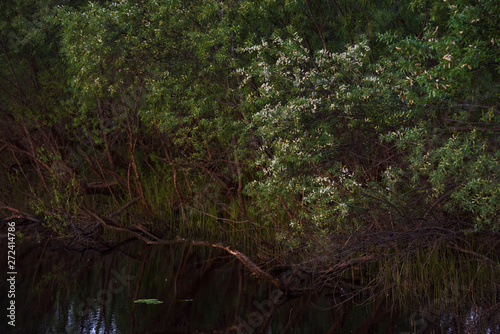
<point x="148" y="301"/>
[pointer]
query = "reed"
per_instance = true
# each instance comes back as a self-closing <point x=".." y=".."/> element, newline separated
<point x="438" y="274"/>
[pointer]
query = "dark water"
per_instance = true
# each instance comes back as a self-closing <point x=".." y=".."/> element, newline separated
<point x="202" y="290"/>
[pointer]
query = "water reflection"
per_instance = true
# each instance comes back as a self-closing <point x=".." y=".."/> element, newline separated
<point x="203" y="290"/>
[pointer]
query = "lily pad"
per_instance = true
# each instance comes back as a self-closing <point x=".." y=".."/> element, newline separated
<point x="148" y="301"/>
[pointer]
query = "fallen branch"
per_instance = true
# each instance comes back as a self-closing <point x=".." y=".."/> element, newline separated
<point x="20" y="214"/>
<point x="153" y="240"/>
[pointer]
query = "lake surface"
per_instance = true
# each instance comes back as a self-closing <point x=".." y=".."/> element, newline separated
<point x="201" y="290"/>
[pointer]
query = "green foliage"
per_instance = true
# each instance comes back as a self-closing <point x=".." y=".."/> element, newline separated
<point x="302" y="111"/>
<point x="452" y="81"/>
<point x="59" y="208"/>
<point x="434" y="96"/>
<point x="330" y="115"/>
<point x="148" y="301"/>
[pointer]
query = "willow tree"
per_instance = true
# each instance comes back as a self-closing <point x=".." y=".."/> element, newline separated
<point x="161" y="80"/>
<point x="451" y="81"/>
<point x="405" y="136"/>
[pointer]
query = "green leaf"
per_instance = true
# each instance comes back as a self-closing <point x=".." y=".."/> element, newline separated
<point x="148" y="301"/>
